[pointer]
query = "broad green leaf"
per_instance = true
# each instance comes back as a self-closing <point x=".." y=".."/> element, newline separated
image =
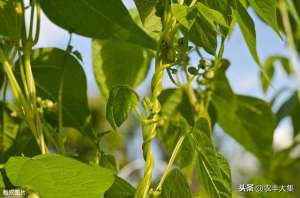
<point x="99" y="19"/>
<point x="268" y="70"/>
<point x="119" y="63"/>
<point x="185" y="15"/>
<point x="120" y="102"/>
<point x="267" y="10"/>
<point x="120" y="189"/>
<point x="10" y="19"/>
<point x="248" y="120"/>
<point x="204" y="34"/>
<point x="211" y="14"/>
<point x="290" y="108"/>
<point x="60" y="78"/>
<point x="213" y="169"/>
<point x="175" y="186"/>
<point x="248" y="29"/>
<point x="54" y="176"/>
<point x="147" y="12"/>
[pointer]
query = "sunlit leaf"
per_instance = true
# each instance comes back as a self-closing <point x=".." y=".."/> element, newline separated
<point x="52" y="175"/>
<point x="120" y="102"/>
<point x="98" y="19"/>
<point x="119" y="63"/>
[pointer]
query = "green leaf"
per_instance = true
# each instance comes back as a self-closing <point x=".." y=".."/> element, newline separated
<point x="185" y="15"/>
<point x="9" y="127"/>
<point x="213" y="169"/>
<point x="176" y="101"/>
<point x="170" y="133"/>
<point x="147" y="11"/>
<point x="221" y="6"/>
<point x="60" y="78"/>
<point x="120" y="102"/>
<point x="108" y="161"/>
<point x="112" y="58"/>
<point x="175" y="186"/>
<point x="248" y="120"/>
<point x="290" y="108"/>
<point x="10" y="19"/>
<point x="53" y="175"/>
<point x="98" y="19"/>
<point x="177" y="114"/>
<point x="248" y="29"/>
<point x="2" y="184"/>
<point x="204" y="34"/>
<point x="211" y="14"/>
<point x="24" y="144"/>
<point x="267" y="10"/>
<point x="120" y="189"/>
<point x="268" y="70"/>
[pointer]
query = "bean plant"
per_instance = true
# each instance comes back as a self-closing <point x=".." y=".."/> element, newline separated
<point x="44" y="94"/>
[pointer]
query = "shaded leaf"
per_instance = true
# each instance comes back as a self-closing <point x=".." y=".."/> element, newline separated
<point x="170" y="133"/>
<point x="24" y="144"/>
<point x="112" y="58"/>
<point x="120" y="102"/>
<point x="98" y="19"/>
<point x="203" y="34"/>
<point x="178" y="189"/>
<point x="120" y="189"/>
<point x="290" y="108"/>
<point x="52" y="175"/>
<point x="60" y="78"/>
<point x="9" y="127"/>
<point x="213" y="169"/>
<point x="175" y="101"/>
<point x="10" y="19"/>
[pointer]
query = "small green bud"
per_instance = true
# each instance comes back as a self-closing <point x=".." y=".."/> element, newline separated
<point x="209" y="74"/>
<point x="203" y="64"/>
<point x="193" y="70"/>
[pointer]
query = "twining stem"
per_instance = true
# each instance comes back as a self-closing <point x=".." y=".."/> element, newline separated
<point x="149" y="132"/>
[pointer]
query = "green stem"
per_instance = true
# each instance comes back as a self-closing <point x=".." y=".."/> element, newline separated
<point x="11" y="78"/>
<point x="3" y="117"/>
<point x="290" y="38"/>
<point x="149" y="132"/>
<point x="170" y="163"/>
